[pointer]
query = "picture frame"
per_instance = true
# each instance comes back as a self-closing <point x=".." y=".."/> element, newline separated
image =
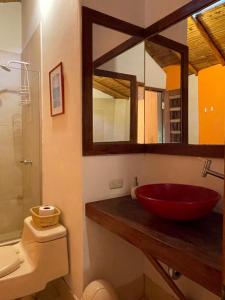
<point x="56" y="85"/>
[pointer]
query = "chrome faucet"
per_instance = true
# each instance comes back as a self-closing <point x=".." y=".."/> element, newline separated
<point x="206" y="170"/>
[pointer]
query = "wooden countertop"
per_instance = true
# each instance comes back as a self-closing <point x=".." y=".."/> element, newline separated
<point x="192" y="248"/>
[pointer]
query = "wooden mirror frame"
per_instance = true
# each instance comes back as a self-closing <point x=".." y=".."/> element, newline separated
<point x="91" y="17"/>
<point x="138" y="34"/>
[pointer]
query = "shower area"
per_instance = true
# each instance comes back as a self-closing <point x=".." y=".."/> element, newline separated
<point x="20" y="174"/>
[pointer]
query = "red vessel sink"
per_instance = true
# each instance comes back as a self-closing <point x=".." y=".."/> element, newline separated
<point x="177" y="201"/>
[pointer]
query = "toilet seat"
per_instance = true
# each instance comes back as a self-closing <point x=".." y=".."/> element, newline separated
<point x="9" y="260"/>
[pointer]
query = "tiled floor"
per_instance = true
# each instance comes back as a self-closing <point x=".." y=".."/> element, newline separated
<point x="56" y="290"/>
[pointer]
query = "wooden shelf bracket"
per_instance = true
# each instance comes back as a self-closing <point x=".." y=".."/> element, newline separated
<point x="166" y="277"/>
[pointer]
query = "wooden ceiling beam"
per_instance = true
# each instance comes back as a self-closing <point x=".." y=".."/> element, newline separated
<point x="205" y="34"/>
<point x="123" y="83"/>
<point x="108" y="90"/>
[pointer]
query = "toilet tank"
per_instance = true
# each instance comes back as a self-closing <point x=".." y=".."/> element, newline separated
<point x="41" y="235"/>
<point x="46" y="248"/>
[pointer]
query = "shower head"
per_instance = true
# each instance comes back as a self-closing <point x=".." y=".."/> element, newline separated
<point x="11" y="62"/>
<point x="22" y="63"/>
<point x="5" y="68"/>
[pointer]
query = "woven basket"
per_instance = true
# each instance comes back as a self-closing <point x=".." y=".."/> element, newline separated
<point x="45" y="221"/>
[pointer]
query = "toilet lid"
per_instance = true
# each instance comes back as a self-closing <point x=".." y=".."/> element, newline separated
<point x="9" y="260"/>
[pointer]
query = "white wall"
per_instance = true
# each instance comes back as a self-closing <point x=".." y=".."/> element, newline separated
<point x="102" y="44"/>
<point x="10" y="27"/>
<point x="106" y="255"/>
<point x="156" y="10"/>
<point x="61" y="135"/>
<point x="127" y="10"/>
<point x="111" y="118"/>
<point x="181" y="169"/>
<point x="186" y="170"/>
<point x="130" y="62"/>
<point x="148" y="168"/>
<point x="155" y="76"/>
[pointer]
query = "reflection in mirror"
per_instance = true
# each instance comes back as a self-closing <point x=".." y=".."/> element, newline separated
<point x="204" y="34"/>
<point x="111" y="106"/>
<point x="206" y="42"/>
<point x="118" y="100"/>
<point x="106" y="39"/>
<point x="162" y="94"/>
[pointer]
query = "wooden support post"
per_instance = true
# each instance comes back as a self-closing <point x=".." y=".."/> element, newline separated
<point x="166" y="277"/>
<point x="192" y="69"/>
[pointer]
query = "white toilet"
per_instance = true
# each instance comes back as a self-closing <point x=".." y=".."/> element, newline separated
<point x="26" y="267"/>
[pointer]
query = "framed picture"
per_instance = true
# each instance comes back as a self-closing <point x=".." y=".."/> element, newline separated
<point x="56" y="85"/>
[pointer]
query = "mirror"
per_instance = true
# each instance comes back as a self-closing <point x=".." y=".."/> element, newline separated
<point x="113" y="94"/>
<point x="204" y="34"/>
<point x="148" y="95"/>
<point x="206" y="42"/>
<point x="118" y="103"/>
<point x="163" y="99"/>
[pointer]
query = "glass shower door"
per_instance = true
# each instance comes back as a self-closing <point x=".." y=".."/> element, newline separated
<point x="20" y="174"/>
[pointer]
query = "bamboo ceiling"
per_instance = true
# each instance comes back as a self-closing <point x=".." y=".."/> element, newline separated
<point x="116" y="88"/>
<point x="162" y="55"/>
<point x="206" y="42"/>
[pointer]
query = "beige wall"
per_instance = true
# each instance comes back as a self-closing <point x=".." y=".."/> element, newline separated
<point x="10" y="27"/>
<point x="30" y="19"/>
<point x="61" y="135"/>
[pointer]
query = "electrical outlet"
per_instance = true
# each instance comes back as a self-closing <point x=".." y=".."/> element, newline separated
<point x="116" y="184"/>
